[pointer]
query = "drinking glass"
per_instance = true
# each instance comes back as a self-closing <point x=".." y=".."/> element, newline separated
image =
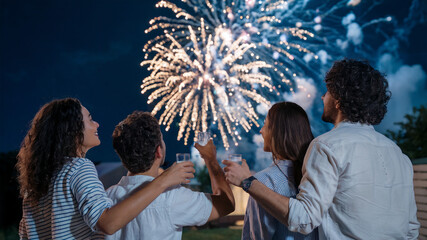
<point x="203" y="138"/>
<point x="235" y="158"/>
<point x="181" y="157"/>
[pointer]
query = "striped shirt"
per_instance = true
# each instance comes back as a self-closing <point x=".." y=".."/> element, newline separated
<point x="75" y="201"/>
<point x="258" y="223"/>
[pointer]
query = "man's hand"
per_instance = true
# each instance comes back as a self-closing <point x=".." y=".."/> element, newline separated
<point x="236" y="173"/>
<point x="207" y="152"/>
<point x="178" y="173"/>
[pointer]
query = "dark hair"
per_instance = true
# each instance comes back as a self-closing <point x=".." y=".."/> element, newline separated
<point x="135" y="140"/>
<point x="290" y="133"/>
<point x="361" y="90"/>
<point x="56" y="133"/>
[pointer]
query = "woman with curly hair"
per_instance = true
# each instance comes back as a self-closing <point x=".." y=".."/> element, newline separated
<point x="357" y="183"/>
<point x="62" y="195"/>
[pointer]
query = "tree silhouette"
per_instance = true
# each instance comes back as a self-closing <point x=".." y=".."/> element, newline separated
<point x="412" y="135"/>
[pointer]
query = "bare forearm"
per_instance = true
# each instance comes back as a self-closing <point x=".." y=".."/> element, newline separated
<point x="222" y="196"/>
<point x="275" y="204"/>
<point x="122" y="213"/>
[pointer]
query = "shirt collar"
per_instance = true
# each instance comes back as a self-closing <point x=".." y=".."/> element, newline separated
<point x="283" y="163"/>
<point x="136" y="179"/>
<point x="353" y="124"/>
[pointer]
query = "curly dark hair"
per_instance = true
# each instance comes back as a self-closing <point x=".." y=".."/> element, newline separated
<point x="135" y="140"/>
<point x="362" y="92"/>
<point x="55" y="135"/>
<point x="290" y="133"/>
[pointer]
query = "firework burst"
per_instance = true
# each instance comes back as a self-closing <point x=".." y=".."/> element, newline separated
<point x="215" y="61"/>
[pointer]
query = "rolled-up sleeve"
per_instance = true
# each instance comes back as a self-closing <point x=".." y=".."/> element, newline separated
<point x="90" y="195"/>
<point x="317" y="189"/>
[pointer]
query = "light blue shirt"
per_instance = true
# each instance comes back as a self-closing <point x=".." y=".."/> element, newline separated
<point x="357" y="184"/>
<point x="75" y="201"/>
<point x="258" y="223"/>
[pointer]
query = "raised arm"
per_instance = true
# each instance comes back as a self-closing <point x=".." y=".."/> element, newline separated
<point x="275" y="204"/>
<point x="122" y="213"/>
<point x="222" y="196"/>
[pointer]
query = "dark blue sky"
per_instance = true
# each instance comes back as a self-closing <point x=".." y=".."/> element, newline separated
<point x="90" y="50"/>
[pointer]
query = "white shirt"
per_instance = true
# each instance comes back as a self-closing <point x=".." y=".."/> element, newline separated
<point x="166" y="215"/>
<point x="357" y="184"/>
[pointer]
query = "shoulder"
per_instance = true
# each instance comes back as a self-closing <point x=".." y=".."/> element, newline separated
<point x="80" y="163"/>
<point x="181" y="193"/>
<point x="116" y="193"/>
<point x="127" y="185"/>
<point x="353" y="133"/>
<point x="81" y="171"/>
<point x="277" y="181"/>
<point x="268" y="174"/>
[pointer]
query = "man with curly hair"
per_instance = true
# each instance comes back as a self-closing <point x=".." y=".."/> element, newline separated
<point x="357" y="184"/>
<point x="139" y="143"/>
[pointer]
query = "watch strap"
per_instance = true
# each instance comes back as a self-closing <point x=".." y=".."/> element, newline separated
<point x="246" y="184"/>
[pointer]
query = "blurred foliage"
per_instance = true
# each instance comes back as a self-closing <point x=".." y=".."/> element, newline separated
<point x="412" y="135"/>
<point x="212" y="234"/>
<point x="9" y="233"/>
<point x="10" y="203"/>
<point x="202" y="176"/>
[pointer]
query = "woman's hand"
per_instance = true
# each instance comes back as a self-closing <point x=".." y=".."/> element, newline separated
<point x="207" y="152"/>
<point x="236" y="173"/>
<point x="178" y="173"/>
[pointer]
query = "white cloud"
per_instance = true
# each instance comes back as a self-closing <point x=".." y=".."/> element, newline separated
<point x="262" y="109"/>
<point x="196" y="158"/>
<point x="348" y="19"/>
<point x="388" y="64"/>
<point x="342" y="44"/>
<point x="305" y="95"/>
<point x="354" y="33"/>
<point x="407" y="85"/>
<point x="307" y="57"/>
<point x="317" y="27"/>
<point x="323" y="56"/>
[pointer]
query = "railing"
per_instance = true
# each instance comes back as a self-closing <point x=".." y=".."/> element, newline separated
<point x="420" y="189"/>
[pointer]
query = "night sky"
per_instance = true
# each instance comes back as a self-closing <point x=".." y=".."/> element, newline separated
<point x="91" y="50"/>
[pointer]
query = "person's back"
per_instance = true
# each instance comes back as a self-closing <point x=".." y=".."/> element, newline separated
<point x="287" y="134"/>
<point x="375" y="180"/>
<point x="139" y="143"/>
<point x="165" y="216"/>
<point x="258" y="223"/>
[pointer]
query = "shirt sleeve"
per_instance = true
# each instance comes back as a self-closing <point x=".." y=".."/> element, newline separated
<point x="189" y="208"/>
<point x="89" y="193"/>
<point x="316" y="191"/>
<point x="22" y="230"/>
<point x="258" y="223"/>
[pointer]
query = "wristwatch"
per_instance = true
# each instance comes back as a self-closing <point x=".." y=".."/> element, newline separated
<point x="246" y="184"/>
